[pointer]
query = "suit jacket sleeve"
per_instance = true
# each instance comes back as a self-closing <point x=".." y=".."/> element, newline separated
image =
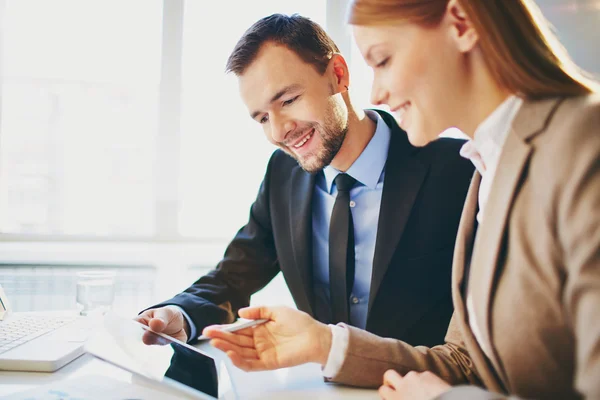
<point x="578" y="231"/>
<point x="249" y="264"/>
<point x="368" y="357"/>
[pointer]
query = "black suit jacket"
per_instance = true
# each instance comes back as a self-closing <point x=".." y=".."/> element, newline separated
<point x="423" y="194"/>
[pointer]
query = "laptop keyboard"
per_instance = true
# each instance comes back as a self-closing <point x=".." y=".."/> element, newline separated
<point x="21" y="330"/>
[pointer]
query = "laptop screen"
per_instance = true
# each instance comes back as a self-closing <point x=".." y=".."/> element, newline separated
<point x="133" y="347"/>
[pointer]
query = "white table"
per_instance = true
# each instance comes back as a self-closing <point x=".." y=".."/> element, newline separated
<point x="303" y="382"/>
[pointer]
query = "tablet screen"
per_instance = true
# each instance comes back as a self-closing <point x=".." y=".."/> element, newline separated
<point x="133" y="347"/>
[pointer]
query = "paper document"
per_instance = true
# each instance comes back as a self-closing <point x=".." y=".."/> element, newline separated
<point x="92" y="387"/>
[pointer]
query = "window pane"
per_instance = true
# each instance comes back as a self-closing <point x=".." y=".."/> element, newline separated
<point x="79" y="97"/>
<point x="224" y="153"/>
<point x="576" y="23"/>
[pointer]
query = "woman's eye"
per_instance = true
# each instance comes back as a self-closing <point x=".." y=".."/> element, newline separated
<point x="264" y="119"/>
<point x="382" y="63"/>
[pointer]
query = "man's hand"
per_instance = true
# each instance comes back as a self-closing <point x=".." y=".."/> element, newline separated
<point x="413" y="386"/>
<point x="289" y="338"/>
<point x="168" y="320"/>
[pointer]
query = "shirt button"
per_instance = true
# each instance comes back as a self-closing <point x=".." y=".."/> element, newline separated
<point x="355" y="300"/>
<point x="352" y="203"/>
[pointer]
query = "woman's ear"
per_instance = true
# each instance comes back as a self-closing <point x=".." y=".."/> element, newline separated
<point x="463" y="33"/>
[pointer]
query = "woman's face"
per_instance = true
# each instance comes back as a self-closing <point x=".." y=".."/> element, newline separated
<point x="419" y="72"/>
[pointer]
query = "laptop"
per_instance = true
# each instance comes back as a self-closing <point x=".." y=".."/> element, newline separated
<point x="158" y="359"/>
<point x="42" y="342"/>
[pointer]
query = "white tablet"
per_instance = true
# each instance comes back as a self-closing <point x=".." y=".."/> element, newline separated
<point x="160" y="359"/>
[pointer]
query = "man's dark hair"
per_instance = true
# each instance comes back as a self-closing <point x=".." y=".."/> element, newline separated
<point x="299" y="34"/>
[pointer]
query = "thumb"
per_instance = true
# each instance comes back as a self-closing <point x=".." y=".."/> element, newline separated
<point x="256" y="313"/>
<point x="161" y="319"/>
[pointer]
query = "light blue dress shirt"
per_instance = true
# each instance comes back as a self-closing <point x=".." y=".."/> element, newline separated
<point x="365" y="203"/>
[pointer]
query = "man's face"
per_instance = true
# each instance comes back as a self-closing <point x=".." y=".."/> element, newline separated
<point x="298" y="108"/>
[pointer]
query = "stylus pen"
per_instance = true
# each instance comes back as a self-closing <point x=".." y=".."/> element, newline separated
<point x="236" y="326"/>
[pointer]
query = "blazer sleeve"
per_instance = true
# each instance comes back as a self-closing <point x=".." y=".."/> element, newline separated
<point x="368" y="357"/>
<point x="578" y="231"/>
<point x="249" y="264"/>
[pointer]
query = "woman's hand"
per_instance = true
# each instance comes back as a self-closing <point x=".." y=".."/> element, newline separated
<point x="289" y="337"/>
<point x="413" y="386"/>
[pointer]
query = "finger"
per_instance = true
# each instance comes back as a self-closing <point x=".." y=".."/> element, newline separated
<point x="243" y="352"/>
<point x="429" y="376"/>
<point x="256" y="313"/>
<point x="244" y="364"/>
<point x="247" y="331"/>
<point x="157" y="324"/>
<point x="141" y="320"/>
<point x="144" y="317"/>
<point x="392" y="378"/>
<point x="161" y="320"/>
<point x="148" y="338"/>
<point x="386" y="392"/>
<point x="235" y="338"/>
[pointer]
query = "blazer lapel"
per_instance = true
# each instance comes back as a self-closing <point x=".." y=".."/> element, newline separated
<point x="301" y="195"/>
<point x="488" y="249"/>
<point x="461" y="265"/>
<point x="464" y="242"/>
<point x="404" y="176"/>
<point x="463" y="251"/>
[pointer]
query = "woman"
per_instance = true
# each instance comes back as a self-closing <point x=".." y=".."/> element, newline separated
<point x="526" y="273"/>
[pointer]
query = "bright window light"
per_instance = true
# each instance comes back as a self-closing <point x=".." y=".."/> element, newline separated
<point x="79" y="96"/>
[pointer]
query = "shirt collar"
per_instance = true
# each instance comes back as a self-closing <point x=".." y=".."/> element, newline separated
<point x="369" y="165"/>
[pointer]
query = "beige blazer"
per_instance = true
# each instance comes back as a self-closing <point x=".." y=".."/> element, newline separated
<point x="534" y="275"/>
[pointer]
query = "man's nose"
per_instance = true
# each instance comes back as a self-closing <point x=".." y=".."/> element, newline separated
<point x="280" y="128"/>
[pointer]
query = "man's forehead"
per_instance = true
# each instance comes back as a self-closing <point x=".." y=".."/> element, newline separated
<point x="273" y="53"/>
<point x="275" y="68"/>
<point x="274" y="63"/>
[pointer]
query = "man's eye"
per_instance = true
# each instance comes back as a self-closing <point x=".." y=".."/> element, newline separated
<point x="382" y="63"/>
<point x="290" y="101"/>
<point x="264" y="119"/>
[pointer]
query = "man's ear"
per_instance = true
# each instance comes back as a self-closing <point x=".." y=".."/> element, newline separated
<point x="463" y="33"/>
<point x="339" y="73"/>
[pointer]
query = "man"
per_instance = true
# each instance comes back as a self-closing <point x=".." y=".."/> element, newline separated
<point x="361" y="223"/>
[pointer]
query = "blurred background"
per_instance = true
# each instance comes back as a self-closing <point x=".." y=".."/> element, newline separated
<point x="120" y="137"/>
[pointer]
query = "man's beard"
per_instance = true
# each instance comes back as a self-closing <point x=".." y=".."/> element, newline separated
<point x="331" y="142"/>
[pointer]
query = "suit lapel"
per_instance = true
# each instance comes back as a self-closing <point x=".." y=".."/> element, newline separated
<point x="488" y="250"/>
<point x="302" y="189"/>
<point x="490" y="237"/>
<point x="464" y="241"/>
<point x="404" y="176"/>
<point x="463" y="251"/>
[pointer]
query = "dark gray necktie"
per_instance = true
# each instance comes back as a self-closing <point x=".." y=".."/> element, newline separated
<point x="341" y="250"/>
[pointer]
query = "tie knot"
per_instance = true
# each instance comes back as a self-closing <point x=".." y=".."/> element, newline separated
<point x="344" y="182"/>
